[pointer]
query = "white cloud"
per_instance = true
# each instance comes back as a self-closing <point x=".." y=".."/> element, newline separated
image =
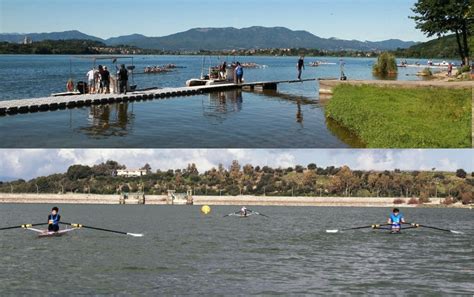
<point x="447" y="165"/>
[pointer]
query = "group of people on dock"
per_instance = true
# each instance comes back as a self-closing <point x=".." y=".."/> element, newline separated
<point x="99" y="80"/>
<point x="238" y="72"/>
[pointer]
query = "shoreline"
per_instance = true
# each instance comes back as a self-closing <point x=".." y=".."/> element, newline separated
<point x="93" y="199"/>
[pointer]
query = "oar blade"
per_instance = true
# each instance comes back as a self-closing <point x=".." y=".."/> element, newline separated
<point x="456" y="232"/>
<point x="135" y="234"/>
<point x="332" y="231"/>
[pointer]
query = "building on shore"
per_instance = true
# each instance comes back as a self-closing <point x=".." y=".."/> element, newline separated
<point x="180" y="198"/>
<point x="27" y="40"/>
<point x="131" y="172"/>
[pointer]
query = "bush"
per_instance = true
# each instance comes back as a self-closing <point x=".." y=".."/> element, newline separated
<point x="398" y="201"/>
<point x="426" y="72"/>
<point x="424" y="197"/>
<point x="413" y="200"/>
<point x="466" y="198"/>
<point x="464" y="69"/>
<point x="461" y="173"/>
<point x="448" y="201"/>
<point x="386" y="65"/>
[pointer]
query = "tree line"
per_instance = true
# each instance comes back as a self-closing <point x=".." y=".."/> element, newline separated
<point x="70" y="47"/>
<point x="299" y="180"/>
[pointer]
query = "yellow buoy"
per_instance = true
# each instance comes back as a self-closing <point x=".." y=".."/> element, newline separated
<point x="205" y="209"/>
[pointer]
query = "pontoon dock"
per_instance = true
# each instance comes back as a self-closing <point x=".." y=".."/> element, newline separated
<point x="13" y="107"/>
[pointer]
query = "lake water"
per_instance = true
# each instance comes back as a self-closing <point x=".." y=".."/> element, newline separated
<point x="184" y="252"/>
<point x="291" y="117"/>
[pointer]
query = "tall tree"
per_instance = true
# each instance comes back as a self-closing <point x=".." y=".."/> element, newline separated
<point x="440" y="17"/>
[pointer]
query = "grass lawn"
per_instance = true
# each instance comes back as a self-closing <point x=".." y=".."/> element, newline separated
<point x="388" y="117"/>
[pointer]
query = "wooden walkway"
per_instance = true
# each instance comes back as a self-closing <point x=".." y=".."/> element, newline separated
<point x="19" y="106"/>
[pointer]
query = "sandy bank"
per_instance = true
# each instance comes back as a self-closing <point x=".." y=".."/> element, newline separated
<point x="217" y="200"/>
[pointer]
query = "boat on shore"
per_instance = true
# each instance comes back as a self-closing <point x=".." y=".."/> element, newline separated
<point x="429" y="64"/>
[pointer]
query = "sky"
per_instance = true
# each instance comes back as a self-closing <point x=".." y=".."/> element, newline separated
<point x="30" y="163"/>
<point x="345" y="19"/>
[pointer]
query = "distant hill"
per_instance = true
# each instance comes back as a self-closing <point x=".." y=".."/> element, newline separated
<point x="127" y="39"/>
<point x="443" y="47"/>
<point x="251" y="38"/>
<point x="224" y="39"/>
<point x="66" y="35"/>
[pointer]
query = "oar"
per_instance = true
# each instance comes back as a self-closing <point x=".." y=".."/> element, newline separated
<point x="258" y="213"/>
<point x="78" y="226"/>
<point x="23" y="226"/>
<point x="232" y="214"/>
<point x="435" y="228"/>
<point x="374" y="226"/>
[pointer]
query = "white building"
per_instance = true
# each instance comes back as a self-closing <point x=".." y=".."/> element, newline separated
<point x="27" y="40"/>
<point x="132" y="172"/>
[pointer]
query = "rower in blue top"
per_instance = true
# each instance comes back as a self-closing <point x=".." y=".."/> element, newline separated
<point x="396" y="220"/>
<point x="53" y="220"/>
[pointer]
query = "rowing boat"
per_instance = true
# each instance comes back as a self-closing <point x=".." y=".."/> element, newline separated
<point x="45" y="233"/>
<point x="70" y="227"/>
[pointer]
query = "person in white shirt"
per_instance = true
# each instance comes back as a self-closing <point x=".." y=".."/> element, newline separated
<point x="91" y="80"/>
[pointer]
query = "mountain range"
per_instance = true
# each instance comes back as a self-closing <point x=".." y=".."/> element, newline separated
<point x="223" y="39"/>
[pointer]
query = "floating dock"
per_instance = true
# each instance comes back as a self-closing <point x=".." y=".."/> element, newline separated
<point x="21" y="106"/>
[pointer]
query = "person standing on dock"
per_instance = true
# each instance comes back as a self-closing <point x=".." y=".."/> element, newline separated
<point x="105" y="80"/>
<point x="123" y="79"/>
<point x="300" y="66"/>
<point x="100" y="88"/>
<point x="91" y="80"/>
<point x="223" y="70"/>
<point x="239" y="73"/>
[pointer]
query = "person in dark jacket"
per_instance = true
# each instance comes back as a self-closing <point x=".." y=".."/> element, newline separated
<point x="53" y="220"/>
<point x="123" y="79"/>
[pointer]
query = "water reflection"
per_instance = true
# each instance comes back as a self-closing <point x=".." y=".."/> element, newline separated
<point x="219" y="105"/>
<point x="299" y="113"/>
<point x="299" y="100"/>
<point x="109" y="120"/>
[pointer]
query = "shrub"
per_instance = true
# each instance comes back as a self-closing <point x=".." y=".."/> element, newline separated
<point x="422" y="200"/>
<point x="466" y="198"/>
<point x="398" y="201"/>
<point x="464" y="69"/>
<point x="461" y="173"/>
<point x="386" y="65"/>
<point x="426" y="72"/>
<point x="448" y="201"/>
<point x="413" y="200"/>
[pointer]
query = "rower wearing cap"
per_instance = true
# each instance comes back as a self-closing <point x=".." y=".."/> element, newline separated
<point x="396" y="220"/>
<point x="244" y="211"/>
<point x="53" y="220"/>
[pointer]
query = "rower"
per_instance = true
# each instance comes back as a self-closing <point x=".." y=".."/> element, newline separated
<point x="53" y="220"/>
<point x="244" y="211"/>
<point x="396" y="220"/>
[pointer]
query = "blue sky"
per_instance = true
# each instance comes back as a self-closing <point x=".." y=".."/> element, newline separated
<point x="29" y="163"/>
<point x="345" y="19"/>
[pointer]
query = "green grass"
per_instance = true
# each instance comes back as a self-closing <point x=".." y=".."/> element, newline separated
<point x="404" y="118"/>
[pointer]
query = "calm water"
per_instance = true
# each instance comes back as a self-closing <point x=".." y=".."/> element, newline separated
<point x="292" y="117"/>
<point x="184" y="252"/>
